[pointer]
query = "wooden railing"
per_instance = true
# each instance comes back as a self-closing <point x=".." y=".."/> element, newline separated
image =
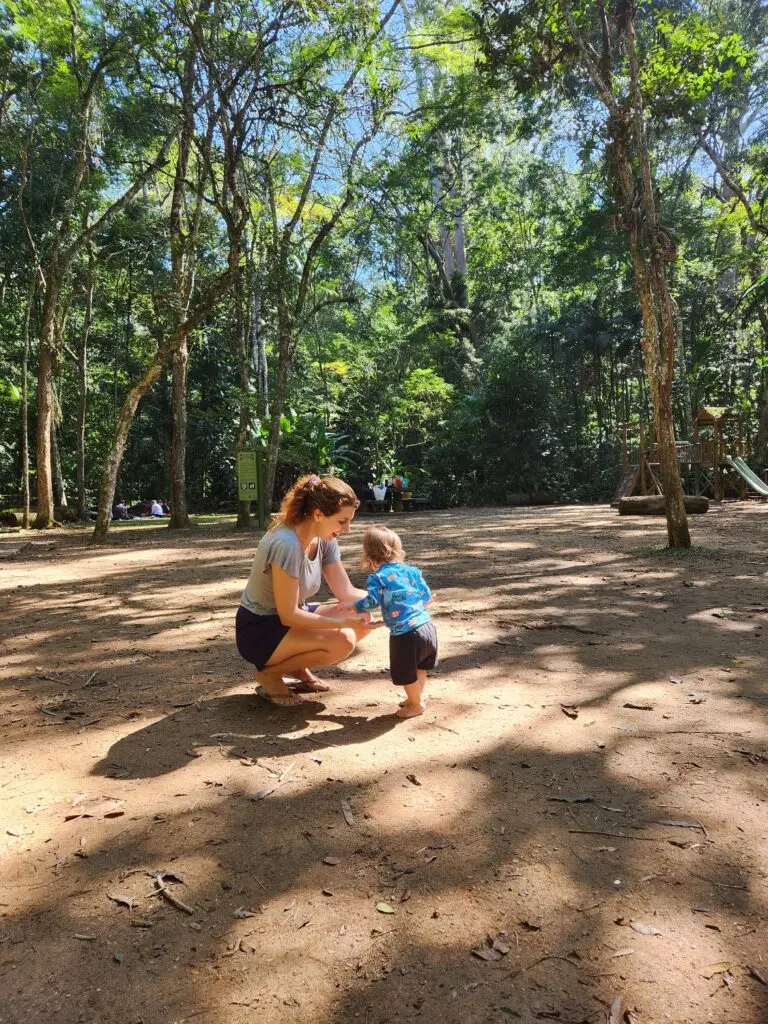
<point x="688" y="452"/>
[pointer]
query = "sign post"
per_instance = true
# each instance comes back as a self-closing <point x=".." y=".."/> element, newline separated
<point x="250" y="480"/>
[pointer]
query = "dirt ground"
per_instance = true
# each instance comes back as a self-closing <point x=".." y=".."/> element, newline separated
<point x="580" y="815"/>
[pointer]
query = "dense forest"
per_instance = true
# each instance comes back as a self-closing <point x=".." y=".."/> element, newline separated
<point x="461" y="242"/>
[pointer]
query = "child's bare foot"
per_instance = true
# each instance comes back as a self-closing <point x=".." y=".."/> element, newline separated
<point x="408" y="710"/>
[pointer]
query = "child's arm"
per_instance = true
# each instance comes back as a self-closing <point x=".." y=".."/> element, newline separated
<point x="373" y="597"/>
<point x="426" y="593"/>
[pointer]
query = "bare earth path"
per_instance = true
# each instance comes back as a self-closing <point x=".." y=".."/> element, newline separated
<point x="621" y="852"/>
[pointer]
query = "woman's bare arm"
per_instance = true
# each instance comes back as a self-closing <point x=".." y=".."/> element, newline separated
<point x="286" y="591"/>
<point x="340" y="584"/>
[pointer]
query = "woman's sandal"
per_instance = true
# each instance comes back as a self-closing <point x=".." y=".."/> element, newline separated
<point x="309" y="683"/>
<point x="283" y="700"/>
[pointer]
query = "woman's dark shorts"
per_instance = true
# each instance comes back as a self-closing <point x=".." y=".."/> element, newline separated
<point x="409" y="652"/>
<point x="259" y="636"/>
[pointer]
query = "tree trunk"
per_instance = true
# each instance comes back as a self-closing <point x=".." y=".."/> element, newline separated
<point x="25" y="404"/>
<point x="59" y="489"/>
<point x="649" y="247"/>
<point x="279" y="396"/>
<point x="244" y="425"/>
<point x="258" y="346"/>
<point x="682" y="369"/>
<point x="762" y="403"/>
<point x="45" y="508"/>
<point x="115" y="456"/>
<point x="82" y="375"/>
<point x="180" y="362"/>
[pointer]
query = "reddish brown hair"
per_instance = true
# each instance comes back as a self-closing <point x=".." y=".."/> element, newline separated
<point x="310" y="492"/>
<point x="380" y="545"/>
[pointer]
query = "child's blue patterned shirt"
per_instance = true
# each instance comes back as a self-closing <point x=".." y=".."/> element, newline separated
<point x="401" y="592"/>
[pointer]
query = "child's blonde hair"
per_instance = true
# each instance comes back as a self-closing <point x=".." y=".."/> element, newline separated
<point x="380" y="545"/>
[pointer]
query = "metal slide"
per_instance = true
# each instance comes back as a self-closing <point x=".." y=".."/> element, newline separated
<point x="746" y="474"/>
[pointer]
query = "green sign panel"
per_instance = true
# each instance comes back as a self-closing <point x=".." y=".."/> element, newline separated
<point x="250" y="480"/>
<point x="247" y="475"/>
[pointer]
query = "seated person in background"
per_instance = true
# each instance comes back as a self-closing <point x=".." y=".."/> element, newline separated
<point x="157" y="508"/>
<point x="164" y="507"/>
<point x="120" y="511"/>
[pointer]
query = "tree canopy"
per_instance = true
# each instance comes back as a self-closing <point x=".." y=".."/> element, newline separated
<point x="460" y="242"/>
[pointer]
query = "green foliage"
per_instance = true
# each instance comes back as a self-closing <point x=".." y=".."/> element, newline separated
<point x="513" y="376"/>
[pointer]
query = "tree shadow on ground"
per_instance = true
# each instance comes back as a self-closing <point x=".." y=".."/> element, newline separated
<point x="477" y="845"/>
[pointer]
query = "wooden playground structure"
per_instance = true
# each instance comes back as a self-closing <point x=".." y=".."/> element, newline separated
<point x="712" y="461"/>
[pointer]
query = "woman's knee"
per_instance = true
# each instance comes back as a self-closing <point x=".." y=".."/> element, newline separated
<point x="343" y="644"/>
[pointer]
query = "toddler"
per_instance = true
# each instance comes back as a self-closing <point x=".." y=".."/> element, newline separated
<point x="401" y="592"/>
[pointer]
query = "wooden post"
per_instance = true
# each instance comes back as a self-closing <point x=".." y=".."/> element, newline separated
<point x="717" y="478"/>
<point x="643" y="485"/>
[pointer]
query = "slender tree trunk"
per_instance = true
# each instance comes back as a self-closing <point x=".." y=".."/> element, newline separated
<point x="279" y="396"/>
<point x="82" y="374"/>
<point x="258" y="345"/>
<point x="180" y="363"/>
<point x="59" y="488"/>
<point x="244" y="424"/>
<point x="762" y="405"/>
<point x="115" y="457"/>
<point x="649" y="246"/>
<point x="45" y="506"/>
<point x="682" y="370"/>
<point x="25" y="403"/>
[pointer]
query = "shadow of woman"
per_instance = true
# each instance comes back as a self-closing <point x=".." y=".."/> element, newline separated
<point x="239" y="726"/>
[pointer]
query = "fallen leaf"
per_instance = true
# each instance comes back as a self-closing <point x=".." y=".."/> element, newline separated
<point x="570" y="710"/>
<point x="675" y="679"/>
<point x="618" y="1010"/>
<point x="346" y="810"/>
<point x="412" y="778"/>
<point x="486" y="953"/>
<point x="123" y="901"/>
<point x="332" y="861"/>
<point x="621" y="952"/>
<point x="756" y="973"/>
<point x="644" y="929"/>
<point x="243" y="913"/>
<point x="384" y="908"/>
<point x="85" y="938"/>
<point x="327" y="892"/>
<point x="573" y="799"/>
<point x="639" y="707"/>
<point x="261" y="794"/>
<point x="720" y="968"/>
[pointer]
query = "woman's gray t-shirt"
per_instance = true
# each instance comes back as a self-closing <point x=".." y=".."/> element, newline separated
<point x="283" y="548"/>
